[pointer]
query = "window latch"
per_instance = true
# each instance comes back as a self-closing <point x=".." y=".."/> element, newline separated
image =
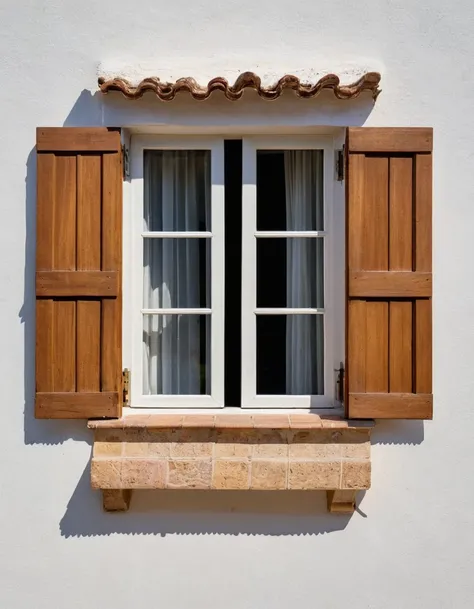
<point x="340" y="383"/>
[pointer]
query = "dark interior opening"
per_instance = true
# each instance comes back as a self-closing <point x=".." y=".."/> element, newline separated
<point x="233" y="272"/>
<point x="271" y="273"/>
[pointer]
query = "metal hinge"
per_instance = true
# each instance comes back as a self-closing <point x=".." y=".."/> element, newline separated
<point x="125" y="162"/>
<point x="126" y="387"/>
<point x="340" y="160"/>
<point x="340" y="383"/>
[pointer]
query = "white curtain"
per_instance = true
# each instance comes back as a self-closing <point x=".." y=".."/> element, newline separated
<point x="304" y="272"/>
<point x="177" y="197"/>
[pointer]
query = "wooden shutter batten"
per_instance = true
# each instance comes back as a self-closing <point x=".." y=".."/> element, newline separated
<point x="76" y="139"/>
<point x="77" y="405"/>
<point x="394" y="284"/>
<point x="388" y="273"/>
<point x="390" y="139"/>
<point x="78" y="279"/>
<point x="77" y="283"/>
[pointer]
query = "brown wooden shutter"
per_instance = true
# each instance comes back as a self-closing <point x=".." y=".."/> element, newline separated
<point x="389" y="282"/>
<point x="78" y="273"/>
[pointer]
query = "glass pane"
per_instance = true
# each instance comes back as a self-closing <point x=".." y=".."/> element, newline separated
<point x="176" y="273"/>
<point x="290" y="354"/>
<point x="177" y="190"/>
<point x="290" y="272"/>
<point x="290" y="194"/>
<point x="176" y="354"/>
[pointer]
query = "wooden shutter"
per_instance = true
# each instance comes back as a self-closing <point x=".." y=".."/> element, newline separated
<point x="78" y="273"/>
<point x="389" y="281"/>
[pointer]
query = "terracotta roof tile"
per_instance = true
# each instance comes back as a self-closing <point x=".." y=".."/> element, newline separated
<point x="166" y="91"/>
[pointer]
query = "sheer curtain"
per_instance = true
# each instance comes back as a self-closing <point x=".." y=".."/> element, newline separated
<point x="304" y="272"/>
<point x="177" y="197"/>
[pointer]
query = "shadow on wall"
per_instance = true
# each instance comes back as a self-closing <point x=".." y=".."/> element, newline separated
<point x="202" y="513"/>
<point x="295" y="513"/>
<point x="217" y="112"/>
<point x="38" y="431"/>
<point x="398" y="432"/>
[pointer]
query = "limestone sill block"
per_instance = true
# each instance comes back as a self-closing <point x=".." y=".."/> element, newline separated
<point x="224" y="457"/>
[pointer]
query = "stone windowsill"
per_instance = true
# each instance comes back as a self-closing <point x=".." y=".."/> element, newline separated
<point x="230" y="421"/>
<point x="231" y="452"/>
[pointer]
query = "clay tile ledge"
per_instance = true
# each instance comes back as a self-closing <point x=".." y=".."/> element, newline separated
<point x="231" y="452"/>
<point x="167" y="91"/>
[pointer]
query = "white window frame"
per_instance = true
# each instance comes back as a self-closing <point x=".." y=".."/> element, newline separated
<point x="250" y="398"/>
<point x="139" y="144"/>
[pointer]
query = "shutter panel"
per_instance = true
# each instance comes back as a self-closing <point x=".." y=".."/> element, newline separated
<point x="78" y="273"/>
<point x="389" y="282"/>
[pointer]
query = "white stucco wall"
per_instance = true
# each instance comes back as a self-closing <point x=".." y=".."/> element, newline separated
<point x="412" y="545"/>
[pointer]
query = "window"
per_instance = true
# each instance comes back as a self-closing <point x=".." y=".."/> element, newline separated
<point x="87" y="284"/>
<point x="231" y="272"/>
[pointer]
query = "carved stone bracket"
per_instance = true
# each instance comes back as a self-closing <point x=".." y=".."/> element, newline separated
<point x="342" y="501"/>
<point x="116" y="500"/>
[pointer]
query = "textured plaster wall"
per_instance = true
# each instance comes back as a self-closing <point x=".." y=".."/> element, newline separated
<point x="411" y="545"/>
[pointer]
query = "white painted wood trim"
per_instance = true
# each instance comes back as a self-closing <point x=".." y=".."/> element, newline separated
<point x="249" y="271"/>
<point x="329" y="269"/>
<point x="176" y="311"/>
<point x="177" y="235"/>
<point x="269" y="234"/>
<point x="288" y="311"/>
<point x="217" y="272"/>
<point x="177" y="401"/>
<point x="175" y="142"/>
<point x="289" y="402"/>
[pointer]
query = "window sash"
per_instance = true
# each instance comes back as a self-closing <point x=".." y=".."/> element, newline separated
<point x="135" y="271"/>
<point x="250" y="398"/>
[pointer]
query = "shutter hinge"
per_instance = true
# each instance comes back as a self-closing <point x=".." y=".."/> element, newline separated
<point x="125" y="162"/>
<point x="126" y="387"/>
<point x="340" y="165"/>
<point x="340" y="383"/>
